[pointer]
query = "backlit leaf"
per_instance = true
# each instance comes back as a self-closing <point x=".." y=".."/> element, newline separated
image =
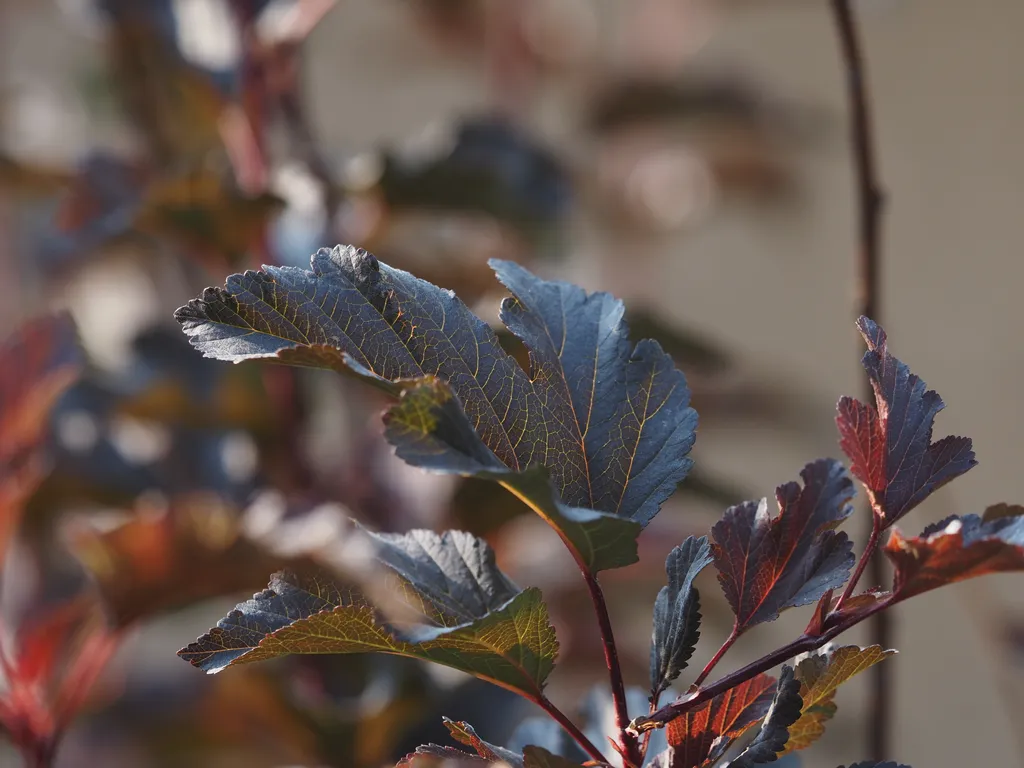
<point x="463" y="733"/>
<point x="693" y="736"/>
<point x="769" y="564"/>
<point x="429" y="429"/>
<point x="37" y="364"/>
<point x="611" y="422"/>
<point x="890" y="446"/>
<point x="955" y="549"/>
<point x="677" y="613"/>
<point x="772" y="738"/>
<point x="436" y="755"/>
<point x="820" y="675"/>
<point x="471" y="617"/>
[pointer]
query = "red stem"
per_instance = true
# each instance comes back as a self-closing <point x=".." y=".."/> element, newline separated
<point x="718" y="656"/>
<point x="802" y="644"/>
<point x="571" y="728"/>
<point x="865" y="558"/>
<point x="628" y="742"/>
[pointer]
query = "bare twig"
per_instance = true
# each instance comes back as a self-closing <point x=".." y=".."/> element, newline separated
<point x="870" y="201"/>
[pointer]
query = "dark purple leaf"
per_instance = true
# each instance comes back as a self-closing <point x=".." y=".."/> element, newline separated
<point x="429" y="429"/>
<point x="611" y="422"/>
<point x="769" y="564"/>
<point x="784" y="711"/>
<point x="677" y="613"/>
<point x="890" y="446"/>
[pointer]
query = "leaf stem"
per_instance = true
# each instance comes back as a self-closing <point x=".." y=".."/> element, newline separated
<point x="628" y="742"/>
<point x="870" y="201"/>
<point x="571" y="728"/>
<point x="718" y="656"/>
<point x="865" y="558"/>
<point x="800" y="645"/>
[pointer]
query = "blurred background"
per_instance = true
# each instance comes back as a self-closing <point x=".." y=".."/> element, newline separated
<point x="690" y="156"/>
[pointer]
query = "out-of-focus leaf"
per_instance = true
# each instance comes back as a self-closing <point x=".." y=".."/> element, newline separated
<point x="27" y="180"/>
<point x="154" y="563"/>
<point x="955" y="549"/>
<point x="470" y="616"/>
<point x="819" y="676"/>
<point x="175" y="105"/>
<point x="769" y="564"/>
<point x="207" y="216"/>
<point x="491" y="167"/>
<point x="52" y="673"/>
<point x="37" y="364"/>
<point x="538" y="757"/>
<point x="611" y="422"/>
<point x="693" y="736"/>
<point x="677" y="613"/>
<point x="873" y="764"/>
<point x="784" y="711"/>
<point x="429" y="429"/>
<point x="890" y="446"/>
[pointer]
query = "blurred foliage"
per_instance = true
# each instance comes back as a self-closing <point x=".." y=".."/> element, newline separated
<point x="147" y="484"/>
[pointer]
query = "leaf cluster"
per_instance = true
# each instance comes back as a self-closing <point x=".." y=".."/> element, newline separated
<point x="593" y="435"/>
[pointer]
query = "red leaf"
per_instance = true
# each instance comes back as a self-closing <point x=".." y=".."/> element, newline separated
<point x="692" y="736"/>
<point x="769" y="564"/>
<point x="37" y="364"/>
<point x="955" y="549"/>
<point x="50" y="677"/>
<point x="889" y="446"/>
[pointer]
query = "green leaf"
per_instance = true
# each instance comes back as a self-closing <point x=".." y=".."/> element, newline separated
<point x="820" y="675"/>
<point x="611" y="422"/>
<point x="429" y="429"/>
<point x="472" y="618"/>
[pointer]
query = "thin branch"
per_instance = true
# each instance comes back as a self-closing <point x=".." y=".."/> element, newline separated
<point x="865" y="558"/>
<point x="870" y="202"/>
<point x="717" y="657"/>
<point x="572" y="729"/>
<point x="628" y="742"/>
<point x="802" y="644"/>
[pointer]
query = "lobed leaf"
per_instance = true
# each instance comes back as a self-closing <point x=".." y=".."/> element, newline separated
<point x="437" y="755"/>
<point x="766" y="564"/>
<point x="957" y="548"/>
<point x="774" y="734"/>
<point x="677" y="613"/>
<point x="611" y="422"/>
<point x="429" y="429"/>
<point x="693" y="736"/>
<point x="820" y="675"/>
<point x="471" y="617"/>
<point x="890" y="446"/>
